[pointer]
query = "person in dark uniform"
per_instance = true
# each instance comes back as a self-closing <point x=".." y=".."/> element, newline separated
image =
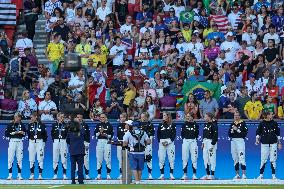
<point x="75" y="139"/>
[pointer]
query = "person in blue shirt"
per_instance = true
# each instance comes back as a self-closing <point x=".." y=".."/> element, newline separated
<point x="75" y="140"/>
<point x="261" y="3"/>
<point x="216" y="35"/>
<point x="171" y="18"/>
<point x="160" y="25"/>
<point x="278" y="19"/>
<point x="142" y="16"/>
<point x="154" y="65"/>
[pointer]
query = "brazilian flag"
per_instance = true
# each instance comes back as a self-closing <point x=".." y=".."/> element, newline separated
<point x="198" y="89"/>
<point x="186" y="16"/>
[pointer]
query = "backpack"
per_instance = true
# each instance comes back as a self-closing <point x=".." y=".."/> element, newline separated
<point x="138" y="134"/>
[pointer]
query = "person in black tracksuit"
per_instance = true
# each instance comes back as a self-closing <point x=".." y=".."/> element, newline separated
<point x="166" y="135"/>
<point x="209" y="145"/>
<point x="268" y="134"/>
<point x="146" y="126"/>
<point x="58" y="133"/>
<point x="189" y="135"/>
<point x="104" y="134"/>
<point x="37" y="136"/>
<point x="238" y="132"/>
<point x="85" y="127"/>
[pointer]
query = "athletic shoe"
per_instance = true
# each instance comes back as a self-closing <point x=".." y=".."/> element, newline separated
<point x="32" y="176"/>
<point x="237" y="176"/>
<point x="120" y="177"/>
<point x="64" y="177"/>
<point x="162" y="177"/>
<point x="137" y="182"/>
<point x="260" y="176"/>
<point x="87" y="177"/>
<point x="172" y="176"/>
<point x="244" y="176"/>
<point x="9" y="177"/>
<point x="99" y="177"/>
<point x="108" y="177"/>
<point x="19" y="176"/>
<point x="211" y="177"/>
<point x="40" y="177"/>
<point x="274" y="177"/>
<point x="194" y="177"/>
<point x="184" y="177"/>
<point x="205" y="177"/>
<point x="55" y="177"/>
<point x="150" y="177"/>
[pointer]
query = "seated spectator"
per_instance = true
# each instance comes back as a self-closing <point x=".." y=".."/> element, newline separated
<point x="8" y="106"/>
<point x="114" y="106"/>
<point x="167" y="102"/>
<point x="149" y="107"/>
<point x="230" y="107"/>
<point x="252" y="84"/>
<point x="271" y="53"/>
<point x="27" y="105"/>
<point x="117" y="54"/>
<point x="253" y="107"/>
<point x="80" y="104"/>
<point x="47" y="108"/>
<point x="158" y="83"/>
<point x="212" y="51"/>
<point x="208" y="105"/>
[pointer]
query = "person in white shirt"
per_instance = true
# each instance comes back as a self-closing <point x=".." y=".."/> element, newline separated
<point x="221" y="59"/>
<point x="147" y="27"/>
<point x="127" y="27"/>
<point x="252" y="84"/>
<point x="77" y="83"/>
<point x="181" y="46"/>
<point x="103" y="11"/>
<point x="47" y="108"/>
<point x="196" y="48"/>
<point x="117" y="53"/>
<point x="230" y="46"/>
<point x="22" y="43"/>
<point x="250" y="38"/>
<point x="142" y="55"/>
<point x="179" y="7"/>
<point x="271" y="35"/>
<point x="234" y="17"/>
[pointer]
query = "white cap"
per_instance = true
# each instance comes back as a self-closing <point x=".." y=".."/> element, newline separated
<point x="229" y="34"/>
<point x="146" y="81"/>
<point x="163" y="72"/>
<point x="129" y="122"/>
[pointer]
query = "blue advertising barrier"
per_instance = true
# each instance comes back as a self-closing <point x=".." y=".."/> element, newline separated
<point x="224" y="168"/>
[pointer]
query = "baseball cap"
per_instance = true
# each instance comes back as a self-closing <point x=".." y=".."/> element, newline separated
<point x="129" y="122"/>
<point x="229" y="34"/>
<point x="251" y="75"/>
<point x="163" y="72"/>
<point x="146" y="81"/>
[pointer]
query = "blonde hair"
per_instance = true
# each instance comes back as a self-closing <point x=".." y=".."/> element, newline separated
<point x="23" y="94"/>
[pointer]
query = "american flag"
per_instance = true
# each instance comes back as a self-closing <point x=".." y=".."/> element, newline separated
<point x="7" y="13"/>
<point x="130" y="46"/>
<point x="221" y="21"/>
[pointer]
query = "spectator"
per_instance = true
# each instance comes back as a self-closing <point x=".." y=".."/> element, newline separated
<point x="96" y="110"/>
<point x="14" y="73"/>
<point x="269" y="106"/>
<point x="140" y="100"/>
<point x="22" y="43"/>
<point x="129" y="94"/>
<point x="230" y="47"/>
<point x="77" y="83"/>
<point x="149" y="91"/>
<point x="137" y="77"/>
<point x="44" y="82"/>
<point x="253" y="107"/>
<point x="47" y="108"/>
<point x="133" y="110"/>
<point x="114" y="106"/>
<point x="8" y="106"/>
<point x="208" y="105"/>
<point x="271" y="35"/>
<point x="117" y="53"/>
<point x="27" y="105"/>
<point x="167" y="102"/>
<point x="241" y="101"/>
<point x="271" y="53"/>
<point x="149" y="107"/>
<point x="84" y="50"/>
<point x="230" y="107"/>
<point x="61" y="28"/>
<point x="103" y="11"/>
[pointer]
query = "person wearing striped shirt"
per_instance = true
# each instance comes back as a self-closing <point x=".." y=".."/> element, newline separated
<point x="235" y="17"/>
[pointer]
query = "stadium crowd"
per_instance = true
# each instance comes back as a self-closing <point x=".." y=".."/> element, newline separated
<point x="138" y="54"/>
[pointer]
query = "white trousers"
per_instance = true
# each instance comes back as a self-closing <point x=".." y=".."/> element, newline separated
<point x="87" y="156"/>
<point x="209" y="156"/>
<point x="103" y="152"/>
<point x="238" y="151"/>
<point x="60" y="149"/>
<point x="15" y="147"/>
<point x="189" y="146"/>
<point x="268" y="151"/>
<point x="36" y="149"/>
<point x="148" y="151"/>
<point x="166" y="150"/>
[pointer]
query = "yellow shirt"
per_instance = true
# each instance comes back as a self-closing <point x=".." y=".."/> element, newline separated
<point x="104" y="50"/>
<point x="280" y="112"/>
<point x="98" y="57"/>
<point x="186" y="34"/>
<point x="253" y="109"/>
<point x="83" y="49"/>
<point x="55" y="51"/>
<point x="205" y="34"/>
<point x="128" y="96"/>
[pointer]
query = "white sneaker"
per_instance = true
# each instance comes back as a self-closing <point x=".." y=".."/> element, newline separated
<point x="194" y="177"/>
<point x="184" y="177"/>
<point x="99" y="177"/>
<point x="19" y="176"/>
<point x="274" y="177"/>
<point x="76" y="177"/>
<point x="205" y="177"/>
<point x="64" y="177"/>
<point x="260" y="176"/>
<point x="150" y="176"/>
<point x="108" y="177"/>
<point x="162" y="177"/>
<point x="244" y="176"/>
<point x="87" y="177"/>
<point x="237" y="177"/>
<point x="40" y="177"/>
<point x="137" y="182"/>
<point x="172" y="176"/>
<point x="32" y="176"/>
<point x="55" y="177"/>
<point x="211" y="177"/>
<point x="10" y="176"/>
<point x="119" y="177"/>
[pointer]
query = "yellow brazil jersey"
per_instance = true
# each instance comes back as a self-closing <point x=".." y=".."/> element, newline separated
<point x="98" y="58"/>
<point x="83" y="49"/>
<point x="104" y="50"/>
<point x="186" y="34"/>
<point x="128" y="96"/>
<point x="55" y="51"/>
<point x="280" y="112"/>
<point x="253" y="109"/>
<point x="205" y="34"/>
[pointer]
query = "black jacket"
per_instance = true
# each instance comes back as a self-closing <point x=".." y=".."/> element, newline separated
<point x="84" y="126"/>
<point x="13" y="127"/>
<point x="210" y="131"/>
<point x="268" y="131"/>
<point x="37" y="129"/>
<point x="76" y="143"/>
<point x="121" y="131"/>
<point x="59" y="131"/>
<point x="190" y="130"/>
<point x="147" y="127"/>
<point x="241" y="132"/>
<point x="108" y="131"/>
<point x="166" y="131"/>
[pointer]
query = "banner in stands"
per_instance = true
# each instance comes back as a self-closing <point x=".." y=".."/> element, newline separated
<point x="224" y="169"/>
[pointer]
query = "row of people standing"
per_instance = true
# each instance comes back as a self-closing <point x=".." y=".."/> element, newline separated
<point x="268" y="134"/>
